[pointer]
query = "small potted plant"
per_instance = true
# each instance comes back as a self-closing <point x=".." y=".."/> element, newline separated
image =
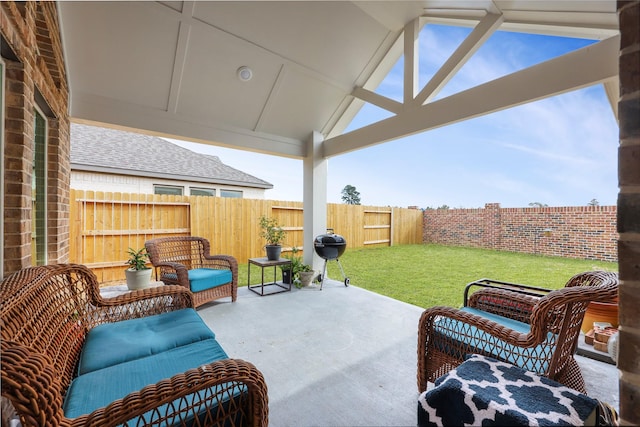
<point x="305" y="275"/>
<point x="274" y="235"/>
<point x="138" y="274"/>
<point x="300" y="273"/>
<point x="290" y="271"/>
<point x="287" y="272"/>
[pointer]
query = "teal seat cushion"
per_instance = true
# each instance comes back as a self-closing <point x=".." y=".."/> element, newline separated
<point x="201" y="279"/>
<point x="504" y="321"/>
<point x="96" y="389"/>
<point x="112" y="343"/>
<point x="535" y="359"/>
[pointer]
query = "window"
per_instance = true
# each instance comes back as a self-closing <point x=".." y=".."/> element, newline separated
<point x="172" y="190"/>
<point x="211" y="192"/>
<point x="231" y="193"/>
<point x="39" y="192"/>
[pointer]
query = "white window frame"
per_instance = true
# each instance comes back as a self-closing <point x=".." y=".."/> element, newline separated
<point x="203" y="189"/>
<point x="179" y="187"/>
<point x="41" y="258"/>
<point x="223" y="191"/>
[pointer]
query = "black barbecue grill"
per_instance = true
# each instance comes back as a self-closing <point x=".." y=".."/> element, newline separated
<point x="330" y="247"/>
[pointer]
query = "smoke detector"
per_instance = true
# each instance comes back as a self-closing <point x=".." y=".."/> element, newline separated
<point x="244" y="73"/>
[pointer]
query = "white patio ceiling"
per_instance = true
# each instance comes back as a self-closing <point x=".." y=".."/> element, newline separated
<point x="169" y="68"/>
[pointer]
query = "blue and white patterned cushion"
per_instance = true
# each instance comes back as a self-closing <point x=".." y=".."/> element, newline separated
<point x="487" y="392"/>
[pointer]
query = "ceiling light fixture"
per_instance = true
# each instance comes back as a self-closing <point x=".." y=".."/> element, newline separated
<point x="244" y="73"/>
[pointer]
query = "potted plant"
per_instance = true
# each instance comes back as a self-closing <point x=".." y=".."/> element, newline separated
<point x="290" y="271"/>
<point x="138" y="274"/>
<point x="274" y="235"/>
<point x="305" y="275"/>
<point x="287" y="272"/>
<point x="300" y="273"/>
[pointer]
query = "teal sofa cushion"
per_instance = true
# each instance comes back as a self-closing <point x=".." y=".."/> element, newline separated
<point x="534" y="359"/>
<point x="112" y="343"/>
<point x="96" y="389"/>
<point x="201" y="279"/>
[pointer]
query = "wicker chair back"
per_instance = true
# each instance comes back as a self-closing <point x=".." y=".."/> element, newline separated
<point x="47" y="308"/>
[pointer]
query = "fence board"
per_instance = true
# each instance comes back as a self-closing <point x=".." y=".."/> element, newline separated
<point x="105" y="225"/>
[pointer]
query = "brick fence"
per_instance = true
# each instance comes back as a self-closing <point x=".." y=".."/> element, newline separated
<point x="585" y="232"/>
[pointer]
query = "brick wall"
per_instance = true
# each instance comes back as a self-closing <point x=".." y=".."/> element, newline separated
<point x="34" y="70"/>
<point x="585" y="232"/>
<point x="629" y="211"/>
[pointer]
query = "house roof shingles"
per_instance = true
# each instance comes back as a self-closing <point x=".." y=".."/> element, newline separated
<point x="106" y="150"/>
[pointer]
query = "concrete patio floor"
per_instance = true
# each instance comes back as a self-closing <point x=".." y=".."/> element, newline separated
<point x="342" y="356"/>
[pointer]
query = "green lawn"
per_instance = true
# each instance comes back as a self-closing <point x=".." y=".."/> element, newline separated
<point x="428" y="275"/>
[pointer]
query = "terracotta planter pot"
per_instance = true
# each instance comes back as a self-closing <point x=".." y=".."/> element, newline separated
<point x="600" y="312"/>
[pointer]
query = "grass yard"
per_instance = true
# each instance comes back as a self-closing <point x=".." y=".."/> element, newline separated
<point x="428" y="275"/>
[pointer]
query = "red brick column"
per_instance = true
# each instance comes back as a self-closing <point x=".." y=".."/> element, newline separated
<point x="34" y="69"/>
<point x="629" y="211"/>
<point x="17" y="167"/>
<point x="492" y="236"/>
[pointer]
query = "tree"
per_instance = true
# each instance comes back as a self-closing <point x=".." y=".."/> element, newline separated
<point x="538" y="205"/>
<point x="593" y="202"/>
<point x="350" y="195"/>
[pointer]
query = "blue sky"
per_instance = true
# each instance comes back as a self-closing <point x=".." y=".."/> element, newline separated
<point x="561" y="151"/>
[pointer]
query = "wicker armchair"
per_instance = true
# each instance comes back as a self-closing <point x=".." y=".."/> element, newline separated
<point x="181" y="261"/>
<point x="532" y="328"/>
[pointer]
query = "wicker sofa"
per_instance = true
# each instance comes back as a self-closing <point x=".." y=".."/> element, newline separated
<point x="186" y="261"/>
<point x="71" y="357"/>
<point x="534" y="329"/>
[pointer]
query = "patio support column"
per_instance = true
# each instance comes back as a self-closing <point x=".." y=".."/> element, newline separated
<point x="628" y="222"/>
<point x="314" y="198"/>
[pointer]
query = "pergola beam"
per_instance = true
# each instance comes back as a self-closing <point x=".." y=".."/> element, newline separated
<point x="467" y="48"/>
<point x="612" y="89"/>
<point x="412" y="98"/>
<point x="378" y="100"/>
<point x="411" y="60"/>
<point x="590" y="65"/>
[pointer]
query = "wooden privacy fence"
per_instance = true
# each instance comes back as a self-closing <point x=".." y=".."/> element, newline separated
<point x="104" y="225"/>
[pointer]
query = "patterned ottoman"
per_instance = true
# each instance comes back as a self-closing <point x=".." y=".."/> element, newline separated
<point x="487" y="392"/>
